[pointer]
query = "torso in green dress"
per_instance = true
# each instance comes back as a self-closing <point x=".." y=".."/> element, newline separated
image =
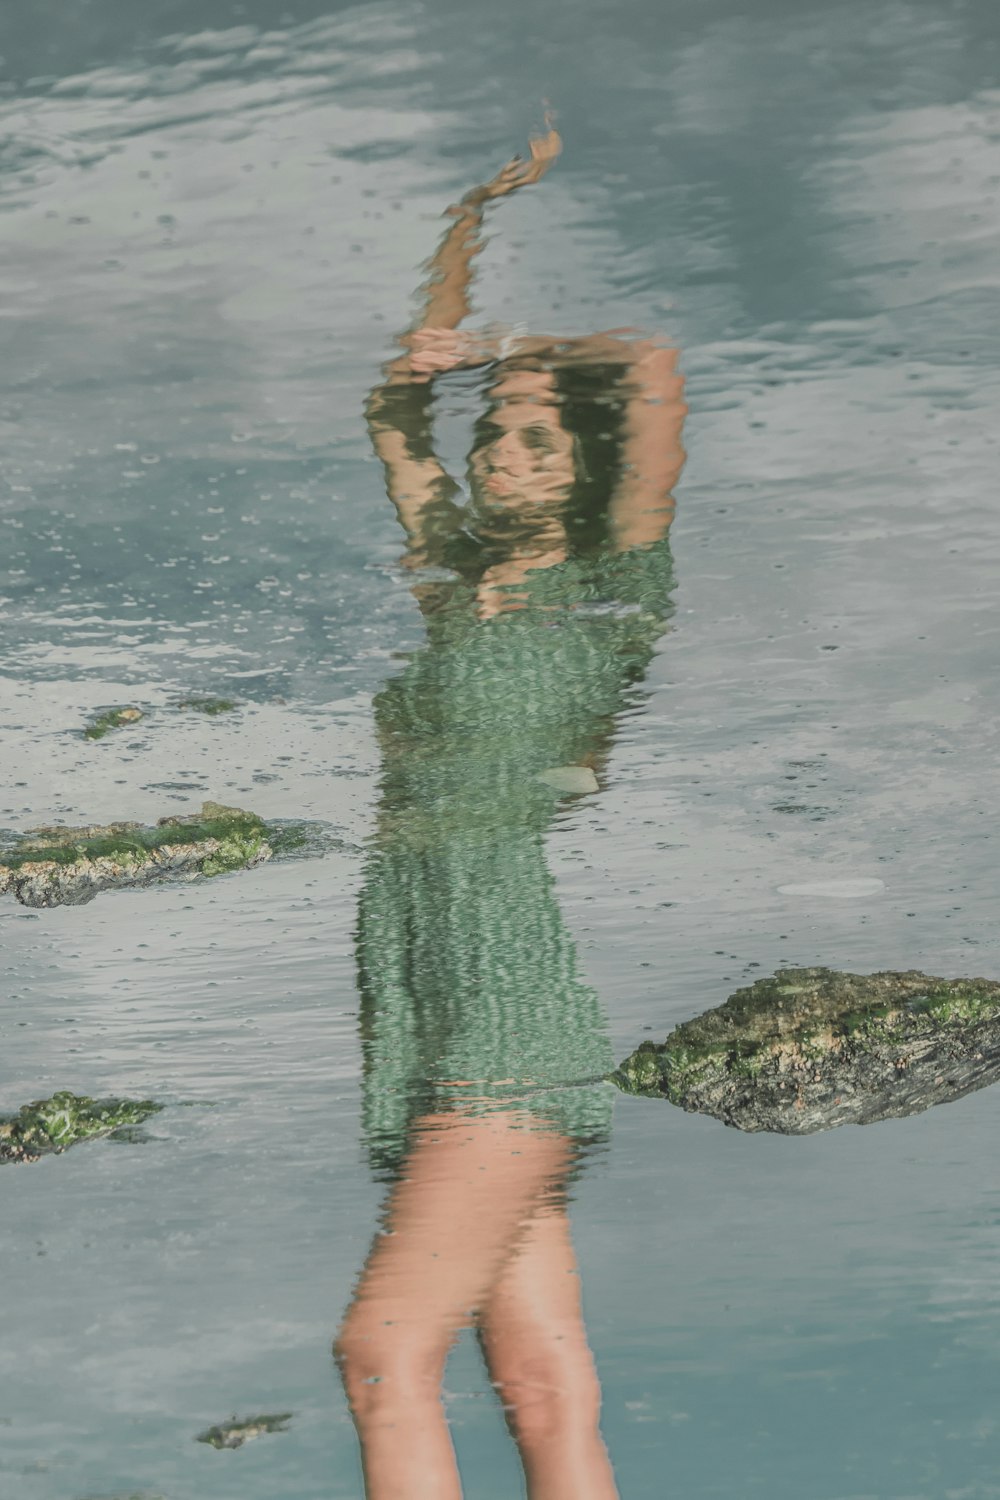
<point x="471" y="994"/>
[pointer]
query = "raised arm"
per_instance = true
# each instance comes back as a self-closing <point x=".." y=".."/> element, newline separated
<point x="399" y="407"/>
<point x="446" y="290"/>
<point x="400" y="425"/>
<point x="642" y="504"/>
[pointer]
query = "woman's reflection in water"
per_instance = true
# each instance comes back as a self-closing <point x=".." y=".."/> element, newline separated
<point x="543" y="599"/>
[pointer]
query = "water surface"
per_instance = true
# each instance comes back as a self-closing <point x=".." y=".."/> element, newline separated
<point x="213" y="218"/>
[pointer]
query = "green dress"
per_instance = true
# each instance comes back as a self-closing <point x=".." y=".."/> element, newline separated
<point x="471" y="992"/>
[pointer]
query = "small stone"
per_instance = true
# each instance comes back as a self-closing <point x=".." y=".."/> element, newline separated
<point x="235" y="1433"/>
<point x="112" y="718"/>
<point x="570" y="781"/>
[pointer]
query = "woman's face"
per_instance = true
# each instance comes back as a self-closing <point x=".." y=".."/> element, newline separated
<point x="530" y="464"/>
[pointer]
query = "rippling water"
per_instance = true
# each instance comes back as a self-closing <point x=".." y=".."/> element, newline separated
<point x="213" y="219"/>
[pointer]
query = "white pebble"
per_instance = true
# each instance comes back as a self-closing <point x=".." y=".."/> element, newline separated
<point x="569" y="779"/>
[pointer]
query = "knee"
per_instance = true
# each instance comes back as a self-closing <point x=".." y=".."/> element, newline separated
<point x="544" y="1400"/>
<point x="383" y="1367"/>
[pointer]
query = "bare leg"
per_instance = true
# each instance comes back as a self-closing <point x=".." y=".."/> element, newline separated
<point x="536" y="1347"/>
<point x="470" y="1186"/>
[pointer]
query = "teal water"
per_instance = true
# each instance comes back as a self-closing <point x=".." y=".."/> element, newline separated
<point x="213" y="219"/>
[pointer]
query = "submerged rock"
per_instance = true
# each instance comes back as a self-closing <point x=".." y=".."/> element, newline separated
<point x="112" y="718"/>
<point x="55" y="1124"/>
<point x="129" y="1495"/>
<point x="813" y="1048"/>
<point x="210" y="706"/>
<point x="69" y="866"/>
<point x="234" y="1434"/>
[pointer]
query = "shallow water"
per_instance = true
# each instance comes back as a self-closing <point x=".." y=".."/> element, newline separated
<point x="213" y="217"/>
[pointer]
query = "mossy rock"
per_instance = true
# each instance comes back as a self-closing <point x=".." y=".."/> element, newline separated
<point x="64" y="1120"/>
<point x="235" y="1433"/>
<point x="112" y="718"/>
<point x="68" y="866"/>
<point x="210" y="706"/>
<point x="810" y="1049"/>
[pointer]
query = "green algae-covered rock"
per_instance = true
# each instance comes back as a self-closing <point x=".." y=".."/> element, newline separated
<point x="235" y="1433"/>
<point x="112" y="718"/>
<point x="210" y="706"/>
<point x="55" y="1124"/>
<point x="813" y="1048"/>
<point x="69" y="866"/>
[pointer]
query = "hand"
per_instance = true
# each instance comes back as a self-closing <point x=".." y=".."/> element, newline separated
<point x="519" y="173"/>
<point x="435" y="350"/>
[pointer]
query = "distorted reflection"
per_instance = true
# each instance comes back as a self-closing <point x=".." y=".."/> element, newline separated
<point x="543" y="596"/>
